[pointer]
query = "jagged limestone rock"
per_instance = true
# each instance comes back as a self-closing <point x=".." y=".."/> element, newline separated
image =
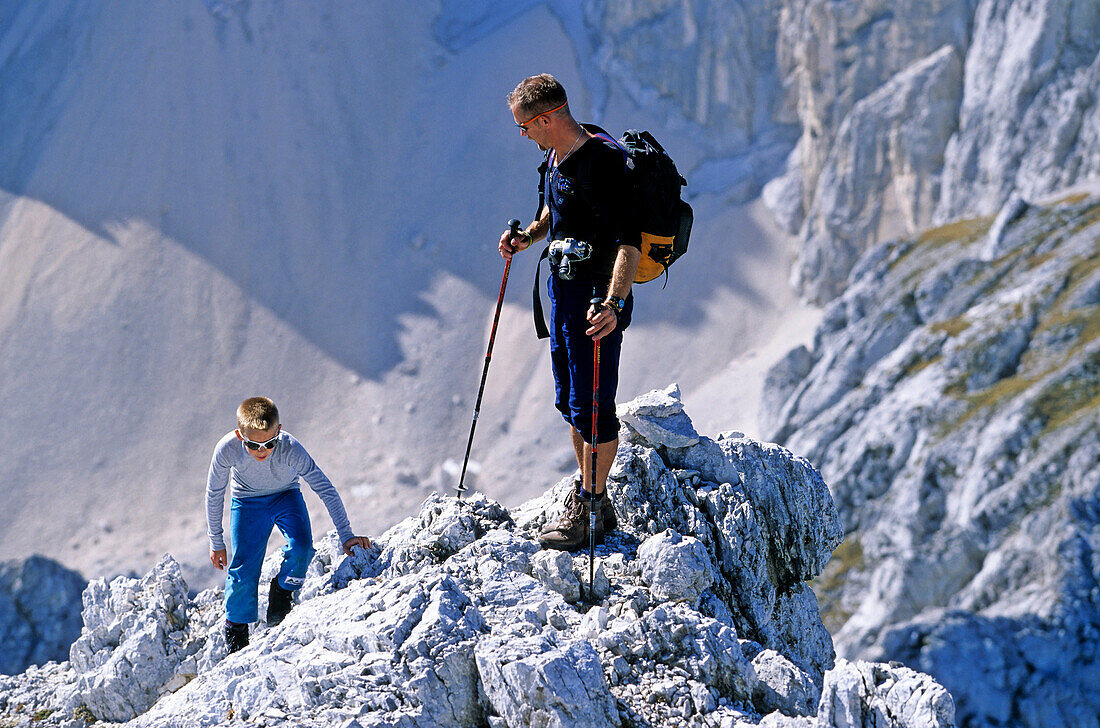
<point x="555" y="570"/>
<point x="780" y="382"/>
<point x="1029" y="121"/>
<point x="535" y="682"/>
<point x="133" y="641"/>
<point x="883" y="165"/>
<point x="781" y="686"/>
<point x="863" y="694"/>
<point x="885" y="152"/>
<point x="998" y="242"/>
<point x="962" y="452"/>
<point x="658" y="419"/>
<point x="39" y="612"/>
<point x="674" y="567"/>
<point x="457" y="618"/>
<point x="443" y="527"/>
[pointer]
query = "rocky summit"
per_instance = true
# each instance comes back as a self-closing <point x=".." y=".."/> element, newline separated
<point x="696" y="613"/>
<point x="952" y="401"/>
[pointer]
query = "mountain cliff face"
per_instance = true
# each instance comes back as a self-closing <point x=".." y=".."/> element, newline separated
<point x="698" y="615"/>
<point x="952" y="401"/>
<point x="917" y="113"/>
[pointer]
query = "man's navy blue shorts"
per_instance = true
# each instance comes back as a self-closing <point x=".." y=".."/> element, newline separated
<point x="571" y="351"/>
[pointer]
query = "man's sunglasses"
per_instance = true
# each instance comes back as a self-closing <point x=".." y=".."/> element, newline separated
<point x="527" y="123"/>
<point x="268" y="445"/>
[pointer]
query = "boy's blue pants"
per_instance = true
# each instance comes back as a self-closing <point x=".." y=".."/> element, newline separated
<point x="250" y="523"/>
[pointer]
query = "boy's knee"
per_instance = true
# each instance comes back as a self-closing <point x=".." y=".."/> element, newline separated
<point x="301" y="553"/>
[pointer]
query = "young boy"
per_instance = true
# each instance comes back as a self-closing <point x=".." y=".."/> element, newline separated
<point x="264" y="464"/>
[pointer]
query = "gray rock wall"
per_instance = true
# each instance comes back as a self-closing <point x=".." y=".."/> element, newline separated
<point x="915" y="113"/>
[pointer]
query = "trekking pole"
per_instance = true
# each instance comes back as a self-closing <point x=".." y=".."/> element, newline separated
<point x="513" y="226"/>
<point x="592" y="475"/>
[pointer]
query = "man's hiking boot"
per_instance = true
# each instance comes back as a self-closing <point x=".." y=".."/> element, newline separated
<point x="279" y="602"/>
<point x="607" y="511"/>
<point x="236" y="636"/>
<point x="571" y="530"/>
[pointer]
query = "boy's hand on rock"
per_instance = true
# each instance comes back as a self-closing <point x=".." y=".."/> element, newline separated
<point x="217" y="558"/>
<point x="361" y="541"/>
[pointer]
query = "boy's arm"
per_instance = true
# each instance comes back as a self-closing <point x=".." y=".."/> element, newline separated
<point x="323" y="487"/>
<point x="216" y="481"/>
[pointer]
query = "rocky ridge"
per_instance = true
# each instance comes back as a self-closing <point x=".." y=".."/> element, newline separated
<point x="952" y="401"/>
<point x="456" y="618"/>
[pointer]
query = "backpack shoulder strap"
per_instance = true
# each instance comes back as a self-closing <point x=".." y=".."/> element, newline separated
<point x="536" y="299"/>
<point x="600" y="133"/>
<point x="542" y="182"/>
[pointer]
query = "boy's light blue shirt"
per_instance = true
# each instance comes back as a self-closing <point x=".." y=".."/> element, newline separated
<point x="278" y="472"/>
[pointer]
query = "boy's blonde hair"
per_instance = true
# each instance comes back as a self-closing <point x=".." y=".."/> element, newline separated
<point x="257" y="413"/>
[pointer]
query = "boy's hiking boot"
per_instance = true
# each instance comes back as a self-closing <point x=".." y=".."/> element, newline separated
<point x="279" y="602"/>
<point x="570" y="532"/>
<point x="607" y="511"/>
<point x="236" y="636"/>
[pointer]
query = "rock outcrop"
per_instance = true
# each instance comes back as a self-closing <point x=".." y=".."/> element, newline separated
<point x="456" y="618"/>
<point x="39" y="612"/>
<point x="952" y="401"/>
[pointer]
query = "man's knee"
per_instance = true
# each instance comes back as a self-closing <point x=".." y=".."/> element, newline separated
<point x="607" y="428"/>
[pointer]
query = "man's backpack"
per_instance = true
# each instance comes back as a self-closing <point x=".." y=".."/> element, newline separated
<point x="664" y="219"/>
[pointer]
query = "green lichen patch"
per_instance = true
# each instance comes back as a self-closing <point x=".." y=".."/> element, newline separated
<point x="83" y="713"/>
<point x="922" y="253"/>
<point x="1083" y="324"/>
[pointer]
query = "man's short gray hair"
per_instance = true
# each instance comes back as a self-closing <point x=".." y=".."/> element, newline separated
<point x="537" y="94"/>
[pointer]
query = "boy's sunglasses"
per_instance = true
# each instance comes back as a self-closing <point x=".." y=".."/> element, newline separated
<point x="268" y="445"/>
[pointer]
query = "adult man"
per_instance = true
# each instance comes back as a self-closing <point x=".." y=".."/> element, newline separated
<point x="587" y="200"/>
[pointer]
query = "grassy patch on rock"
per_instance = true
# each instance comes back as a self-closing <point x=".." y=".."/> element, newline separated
<point x="847" y="559"/>
<point x="1073" y="396"/>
